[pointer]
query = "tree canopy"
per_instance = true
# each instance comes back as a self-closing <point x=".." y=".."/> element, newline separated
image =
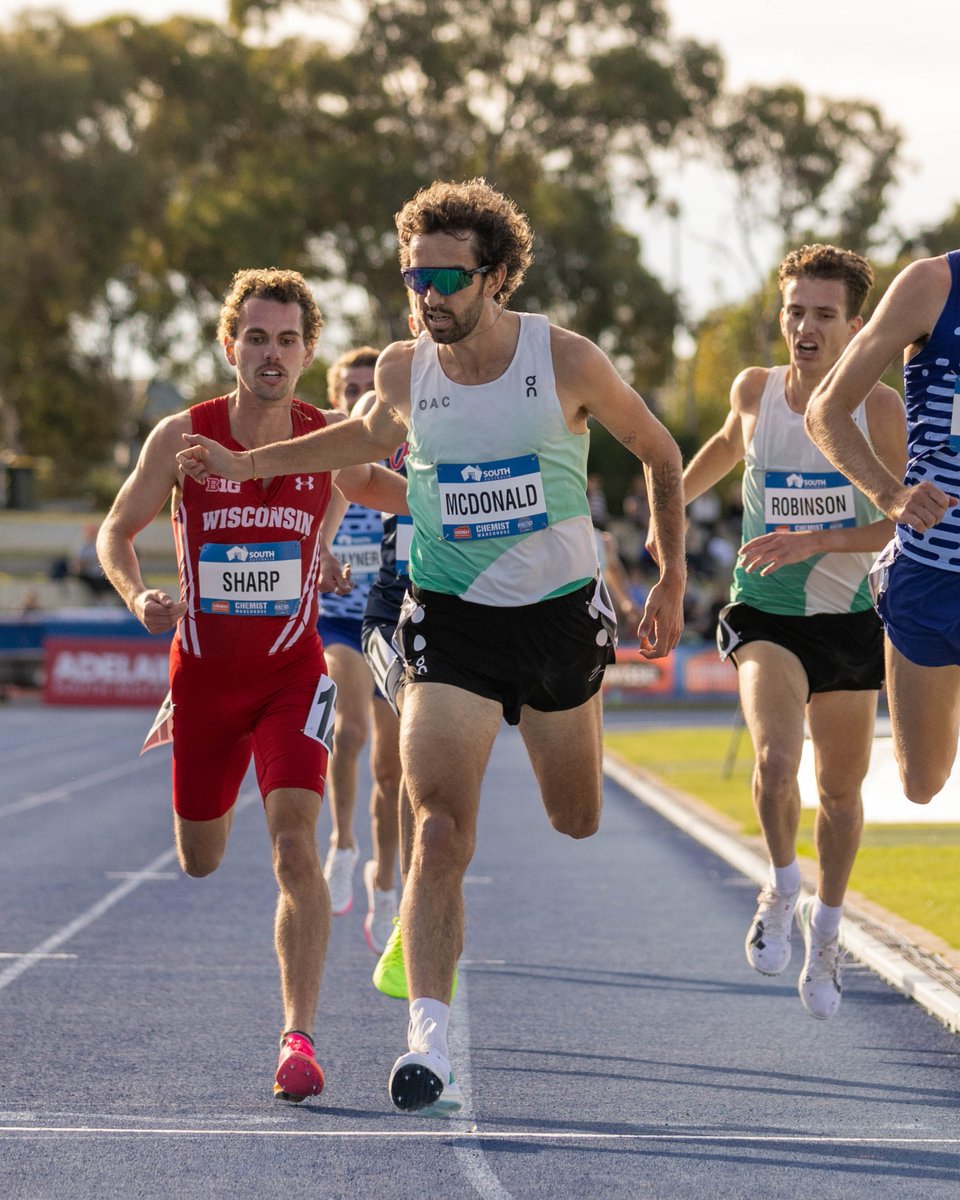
<point x="141" y="164"/>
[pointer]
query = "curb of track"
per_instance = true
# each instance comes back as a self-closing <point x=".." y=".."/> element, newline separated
<point x="915" y="972"/>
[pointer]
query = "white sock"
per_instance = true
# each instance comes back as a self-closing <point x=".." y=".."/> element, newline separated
<point x="786" y="879"/>
<point x="825" y="920"/>
<point x="428" y="1026"/>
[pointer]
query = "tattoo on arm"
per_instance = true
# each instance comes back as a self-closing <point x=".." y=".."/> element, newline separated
<point x="666" y="505"/>
<point x="666" y="482"/>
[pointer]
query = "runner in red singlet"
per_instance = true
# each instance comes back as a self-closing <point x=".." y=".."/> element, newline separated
<point x="247" y="673"/>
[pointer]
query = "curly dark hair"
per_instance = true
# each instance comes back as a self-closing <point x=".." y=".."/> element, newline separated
<point x="473" y="210"/>
<point x="821" y="261"/>
<point x="270" y="283"/>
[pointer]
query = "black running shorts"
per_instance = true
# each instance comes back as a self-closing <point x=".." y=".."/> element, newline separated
<point x="550" y="655"/>
<point x="840" y="652"/>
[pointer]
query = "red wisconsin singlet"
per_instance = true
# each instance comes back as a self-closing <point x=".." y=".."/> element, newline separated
<point x="249" y="555"/>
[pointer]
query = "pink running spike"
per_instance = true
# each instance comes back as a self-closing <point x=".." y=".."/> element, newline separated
<point x="299" y="1075"/>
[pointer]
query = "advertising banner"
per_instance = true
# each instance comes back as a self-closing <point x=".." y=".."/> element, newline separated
<point x="107" y="670"/>
<point x="632" y="676"/>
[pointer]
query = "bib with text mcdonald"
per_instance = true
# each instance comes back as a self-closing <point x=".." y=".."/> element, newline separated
<point x="491" y="499"/>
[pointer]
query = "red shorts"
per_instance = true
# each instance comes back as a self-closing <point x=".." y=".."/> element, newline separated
<point x="229" y="709"/>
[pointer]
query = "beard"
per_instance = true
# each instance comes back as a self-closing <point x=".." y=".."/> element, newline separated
<point x="456" y="327"/>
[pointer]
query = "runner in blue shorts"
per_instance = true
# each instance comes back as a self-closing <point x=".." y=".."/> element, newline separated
<point x="362" y="712"/>
<point x="918" y="576"/>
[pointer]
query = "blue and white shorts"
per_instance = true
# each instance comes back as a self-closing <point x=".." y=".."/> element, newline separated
<point x="920" y="609"/>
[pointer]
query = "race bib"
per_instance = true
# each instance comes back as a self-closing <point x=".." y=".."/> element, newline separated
<point x="160" y="732"/>
<point x="323" y="711"/>
<point x="803" y="500"/>
<point x="257" y="580"/>
<point x="491" y="499"/>
<point x="879" y="574"/>
<point x="404" y="542"/>
<point x="955" y="416"/>
<point x="362" y="553"/>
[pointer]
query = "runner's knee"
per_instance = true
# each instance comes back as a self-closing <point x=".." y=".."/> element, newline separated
<point x="775" y="770"/>
<point x="198" y="863"/>
<point x="295" y="859"/>
<point x="579" y="823"/>
<point x="841" y="807"/>
<point x="350" y="735"/>
<point x="386" y="776"/>
<point x="443" y="843"/>
<point x="920" y="785"/>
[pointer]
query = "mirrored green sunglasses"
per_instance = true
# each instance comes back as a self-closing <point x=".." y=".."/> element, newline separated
<point x="445" y="280"/>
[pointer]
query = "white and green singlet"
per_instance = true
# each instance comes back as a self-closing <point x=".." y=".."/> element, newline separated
<point x="788" y="484"/>
<point x="496" y="482"/>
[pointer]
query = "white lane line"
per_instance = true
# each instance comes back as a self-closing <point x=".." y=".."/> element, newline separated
<point x="143" y="876"/>
<point x="32" y="954"/>
<point x="66" y="932"/>
<point x="31" y="750"/>
<point x="68" y="790"/>
<point x="449" y="1133"/>
<point x="471" y="1159"/>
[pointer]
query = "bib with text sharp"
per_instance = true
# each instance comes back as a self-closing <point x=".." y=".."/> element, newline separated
<point x="804" y="500"/>
<point x="491" y="499"/>
<point x="260" y="579"/>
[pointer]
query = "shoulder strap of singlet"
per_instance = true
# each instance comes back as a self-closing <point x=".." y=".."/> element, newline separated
<point x="211" y="419"/>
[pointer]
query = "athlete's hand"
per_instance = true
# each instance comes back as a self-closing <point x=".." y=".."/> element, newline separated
<point x="157" y="612"/>
<point x="333" y="576"/>
<point x="770" y="551"/>
<point x="921" y="506"/>
<point x="204" y="457"/>
<point x="662" y="622"/>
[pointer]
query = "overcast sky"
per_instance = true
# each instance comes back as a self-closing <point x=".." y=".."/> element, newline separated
<point x="902" y="57"/>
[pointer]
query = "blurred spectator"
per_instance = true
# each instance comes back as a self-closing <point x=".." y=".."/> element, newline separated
<point x="721" y="553"/>
<point x="706" y="508"/>
<point x="636" y="504"/>
<point x="638" y="585"/>
<point x="596" y="498"/>
<point x="630" y="530"/>
<point x="30" y="605"/>
<point x="83" y="565"/>
<point x="733" y="511"/>
<point x="628" y="612"/>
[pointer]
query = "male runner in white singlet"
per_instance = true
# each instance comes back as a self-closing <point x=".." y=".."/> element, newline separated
<point x="507" y="616"/>
<point x="800" y="626"/>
